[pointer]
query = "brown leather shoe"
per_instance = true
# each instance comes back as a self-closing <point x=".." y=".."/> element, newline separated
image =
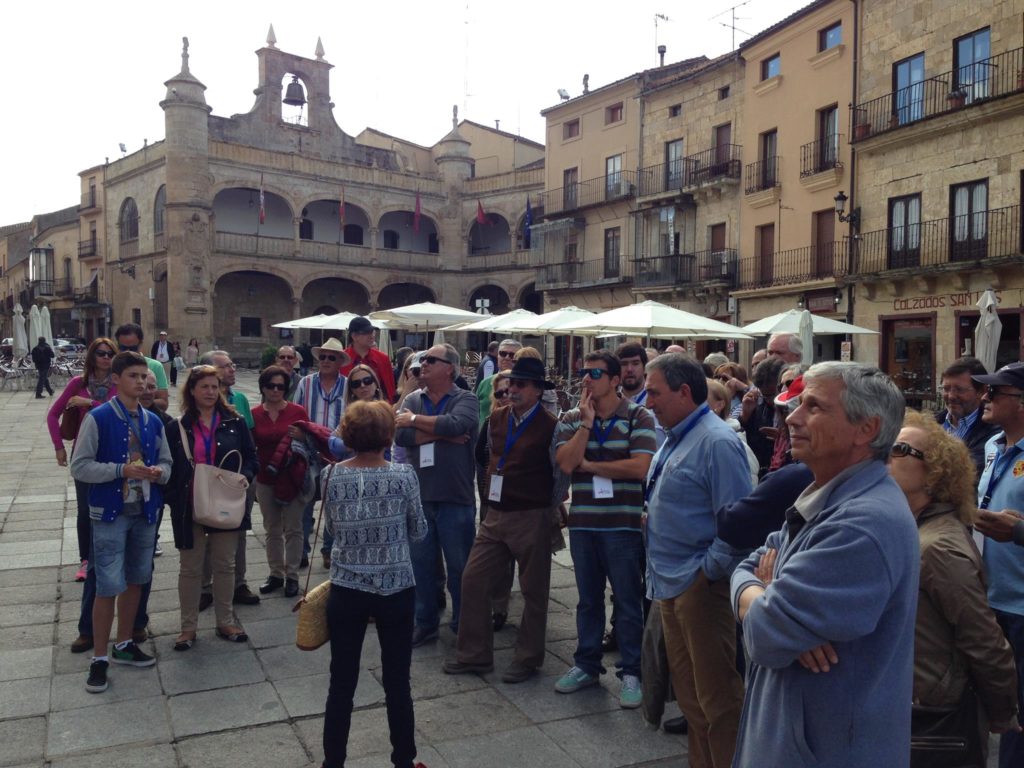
<point x="245" y="596"/>
<point x="81" y="644"/>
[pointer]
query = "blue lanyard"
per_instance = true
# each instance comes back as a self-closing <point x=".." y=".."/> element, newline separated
<point x="601" y="436"/>
<point x="207" y="437"/>
<point x="131" y="422"/>
<point x="663" y="460"/>
<point x="641" y="398"/>
<point x="514" y="433"/>
<point x="1000" y="465"/>
<point x="428" y="407"/>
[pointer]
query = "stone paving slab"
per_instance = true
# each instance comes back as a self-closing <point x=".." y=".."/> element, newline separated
<point x="17" y="615"/>
<point x="29" y="594"/>
<point x="22" y="740"/>
<point x="67" y="691"/>
<point x="22" y="663"/>
<point x="108" y="725"/>
<point x="155" y="756"/>
<point x="225" y="709"/>
<point x="466" y="714"/>
<point x="196" y="671"/>
<point x="271" y="746"/>
<point x="611" y="739"/>
<point x="25" y="576"/>
<point x="305" y="696"/>
<point x="522" y="746"/>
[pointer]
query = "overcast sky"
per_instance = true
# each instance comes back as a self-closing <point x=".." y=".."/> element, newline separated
<point x="84" y="77"/>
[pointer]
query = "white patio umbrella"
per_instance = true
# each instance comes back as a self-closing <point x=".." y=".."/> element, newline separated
<point x="35" y="329"/>
<point x="652" y="318"/>
<point x="47" y="328"/>
<point x="806" y="334"/>
<point x="20" y="344"/>
<point x="988" y="330"/>
<point x="302" y="322"/>
<point x="550" y="323"/>
<point x="496" y="323"/>
<point x="789" y="322"/>
<point x="424" y="316"/>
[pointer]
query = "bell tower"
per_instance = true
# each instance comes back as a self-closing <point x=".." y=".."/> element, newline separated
<point x="310" y="80"/>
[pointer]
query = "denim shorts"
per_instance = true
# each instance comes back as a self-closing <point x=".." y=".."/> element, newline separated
<point x="123" y="552"/>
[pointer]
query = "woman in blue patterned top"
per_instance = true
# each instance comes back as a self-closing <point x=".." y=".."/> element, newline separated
<point x="373" y="509"/>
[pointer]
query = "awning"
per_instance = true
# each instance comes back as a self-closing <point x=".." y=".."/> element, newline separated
<point x="557" y="225"/>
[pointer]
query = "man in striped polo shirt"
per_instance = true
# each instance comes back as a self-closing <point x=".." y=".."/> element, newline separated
<point x="606" y="444"/>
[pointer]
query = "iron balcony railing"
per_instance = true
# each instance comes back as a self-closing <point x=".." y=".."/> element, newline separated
<point x="721" y="163"/>
<point x="764" y="174"/>
<point x="584" y="274"/>
<point x="820" y="156"/>
<point x="88" y="294"/>
<point x="87" y="248"/>
<point x="661" y="178"/>
<point x="967" y="239"/>
<point x="62" y="286"/>
<point x="686" y="268"/>
<point x="128" y="249"/>
<point x="89" y="200"/>
<point x="969" y="85"/>
<point x="620" y="185"/>
<point x="800" y="265"/>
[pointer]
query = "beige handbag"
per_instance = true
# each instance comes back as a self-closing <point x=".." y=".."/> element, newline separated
<point x="218" y="495"/>
<point x="311" y="630"/>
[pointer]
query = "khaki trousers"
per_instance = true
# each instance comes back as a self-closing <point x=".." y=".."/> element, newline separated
<point x="240" y="562"/>
<point x="283" y="526"/>
<point x="700" y="641"/>
<point x="220" y="548"/>
<point x="523" y="536"/>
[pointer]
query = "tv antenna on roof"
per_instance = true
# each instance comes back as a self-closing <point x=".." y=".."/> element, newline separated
<point x="732" y="24"/>
<point x="657" y="17"/>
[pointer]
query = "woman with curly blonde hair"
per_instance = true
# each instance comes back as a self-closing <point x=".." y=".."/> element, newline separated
<point x="963" y="667"/>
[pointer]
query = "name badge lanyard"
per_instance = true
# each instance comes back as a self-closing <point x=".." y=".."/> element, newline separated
<point x="131" y="423"/>
<point x="1001" y="464"/>
<point x="601" y="435"/>
<point x="704" y="410"/>
<point x="207" y="437"/>
<point x="641" y="398"/>
<point x="513" y="434"/>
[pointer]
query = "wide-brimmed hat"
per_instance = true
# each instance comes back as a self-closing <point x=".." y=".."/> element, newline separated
<point x="333" y="345"/>
<point x="530" y="369"/>
<point x="1011" y="375"/>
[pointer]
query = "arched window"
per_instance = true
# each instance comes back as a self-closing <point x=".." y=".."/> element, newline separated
<point x="128" y="220"/>
<point x="158" y="210"/>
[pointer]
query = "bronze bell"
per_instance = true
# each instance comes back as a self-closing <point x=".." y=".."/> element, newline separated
<point x="294" y="95"/>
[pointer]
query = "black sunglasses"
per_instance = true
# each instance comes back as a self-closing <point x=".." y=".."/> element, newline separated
<point x="105" y="353"/>
<point x="506" y="354"/>
<point x="126" y="348"/>
<point x="905" y="449"/>
<point x="993" y="392"/>
<point x="434" y="360"/>
<point x="278" y="387"/>
<point x="594" y="373"/>
<point x="364" y="382"/>
<point x="332" y="358"/>
<point x="500" y="393"/>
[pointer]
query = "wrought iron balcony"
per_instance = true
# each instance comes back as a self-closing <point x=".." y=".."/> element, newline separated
<point x="683" y="269"/>
<point x="62" y="286"/>
<point x="585" y="274"/>
<point x="992" y="78"/>
<point x="88" y="248"/>
<point x="87" y="294"/>
<point x="967" y="239"/>
<point x="661" y="178"/>
<point x="820" y="156"/>
<point x="764" y="174"/>
<point x="716" y="165"/>
<point x="604" y="189"/>
<point x="800" y="265"/>
<point x="89" y="200"/>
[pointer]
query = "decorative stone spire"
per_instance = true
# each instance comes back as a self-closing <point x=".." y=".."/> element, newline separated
<point x="319" y="49"/>
<point x="455" y="116"/>
<point x="184" y="56"/>
<point x="271" y="37"/>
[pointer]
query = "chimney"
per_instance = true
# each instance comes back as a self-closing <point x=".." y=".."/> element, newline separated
<point x="661" y="54"/>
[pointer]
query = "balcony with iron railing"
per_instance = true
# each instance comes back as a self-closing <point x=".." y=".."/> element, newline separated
<point x="62" y="286"/>
<point x="820" y="156"/>
<point x="800" y="265"/>
<point x="87" y="294"/>
<point x="90" y="200"/>
<point x="128" y="249"/>
<point x="682" y="269"/>
<point x="613" y="187"/>
<point x="762" y="175"/>
<point x="88" y="248"/>
<point x="585" y="274"/>
<point x="968" y="86"/>
<point x="950" y="243"/>
<point x="663" y="178"/>
<point x="721" y="166"/>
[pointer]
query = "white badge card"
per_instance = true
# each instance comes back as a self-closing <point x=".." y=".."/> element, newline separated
<point x="494" y="494"/>
<point x="426" y="455"/>
<point x="603" y="488"/>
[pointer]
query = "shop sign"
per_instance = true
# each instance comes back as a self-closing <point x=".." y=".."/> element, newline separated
<point x="962" y="299"/>
<point x="845" y="351"/>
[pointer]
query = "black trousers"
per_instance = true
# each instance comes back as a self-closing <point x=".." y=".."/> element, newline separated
<point x="348" y="611"/>
<point x="43" y="382"/>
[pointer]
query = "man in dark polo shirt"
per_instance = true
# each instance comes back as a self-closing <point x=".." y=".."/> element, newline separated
<point x="521" y="497"/>
<point x="606" y="444"/>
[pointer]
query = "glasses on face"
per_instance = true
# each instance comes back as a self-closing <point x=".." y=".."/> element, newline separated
<point x="785" y="384"/>
<point x="105" y="353"/>
<point x="278" y="387"/>
<point x="332" y="358"/>
<point x="952" y="389"/>
<point x="993" y="392"/>
<point x="286" y="357"/>
<point x="506" y="354"/>
<point x="365" y="382"/>
<point x="906" y="449"/>
<point x="128" y="347"/>
<point x="500" y="393"/>
<point x="434" y="360"/>
<point x="593" y="373"/>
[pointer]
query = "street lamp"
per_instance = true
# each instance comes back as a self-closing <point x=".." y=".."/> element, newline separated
<point x="853" y="218"/>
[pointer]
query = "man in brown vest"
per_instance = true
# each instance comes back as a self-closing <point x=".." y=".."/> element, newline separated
<point x="521" y="497"/>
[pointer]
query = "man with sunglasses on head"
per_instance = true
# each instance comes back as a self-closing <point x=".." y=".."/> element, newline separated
<point x="506" y="359"/>
<point x="962" y="415"/>
<point x="288" y="359"/>
<point x="361" y="351"/>
<point x="606" y="444"/>
<point x="438" y="427"/>
<point x="1001" y="521"/>
<point x="129" y="338"/>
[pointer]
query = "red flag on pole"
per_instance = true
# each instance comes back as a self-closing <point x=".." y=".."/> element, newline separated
<point x="341" y="206"/>
<point x="416" y="214"/>
<point x="481" y="217"/>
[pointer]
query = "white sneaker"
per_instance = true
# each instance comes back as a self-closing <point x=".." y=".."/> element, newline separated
<point x="158" y="551"/>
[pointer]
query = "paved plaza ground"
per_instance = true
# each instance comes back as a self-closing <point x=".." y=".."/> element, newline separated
<point x="261" y="703"/>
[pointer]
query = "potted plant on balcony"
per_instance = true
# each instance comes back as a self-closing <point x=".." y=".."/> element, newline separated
<point x="861" y="130"/>
<point x="956" y="99"/>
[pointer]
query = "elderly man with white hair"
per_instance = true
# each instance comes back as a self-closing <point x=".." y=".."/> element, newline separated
<point x="786" y="346"/>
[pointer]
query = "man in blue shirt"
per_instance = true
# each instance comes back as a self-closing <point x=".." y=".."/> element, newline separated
<point x="1001" y="501"/>
<point x="701" y="467"/>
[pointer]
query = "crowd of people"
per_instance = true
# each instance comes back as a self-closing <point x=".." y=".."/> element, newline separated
<point x="815" y="573"/>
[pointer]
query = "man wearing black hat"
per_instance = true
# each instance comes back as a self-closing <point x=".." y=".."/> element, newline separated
<point x="521" y="496"/>
<point x="1000" y="503"/>
<point x="362" y="352"/>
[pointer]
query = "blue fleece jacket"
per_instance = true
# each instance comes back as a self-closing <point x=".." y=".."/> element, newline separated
<point x="849" y="577"/>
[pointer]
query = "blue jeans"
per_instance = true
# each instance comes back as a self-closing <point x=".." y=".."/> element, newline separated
<point x="123" y="550"/>
<point x="308" y="520"/>
<point x="1011" y="745"/>
<point x="453" y="525"/>
<point x="615" y="556"/>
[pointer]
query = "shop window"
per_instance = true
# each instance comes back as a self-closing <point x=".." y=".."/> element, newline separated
<point x="909" y="357"/>
<point x="250" y="326"/>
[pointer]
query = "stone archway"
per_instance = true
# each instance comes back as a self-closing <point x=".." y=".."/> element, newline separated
<point x="246" y="305"/>
<point x="402" y="294"/>
<point x="334" y="292"/>
<point x="495" y="296"/>
<point x="531" y="299"/>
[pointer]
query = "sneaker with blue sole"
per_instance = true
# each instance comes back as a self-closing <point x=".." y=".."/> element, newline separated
<point x="630" y="696"/>
<point x="574" y="680"/>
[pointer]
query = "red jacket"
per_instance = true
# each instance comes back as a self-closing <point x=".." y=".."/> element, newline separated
<point x="381" y="365"/>
<point x="288" y="467"/>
